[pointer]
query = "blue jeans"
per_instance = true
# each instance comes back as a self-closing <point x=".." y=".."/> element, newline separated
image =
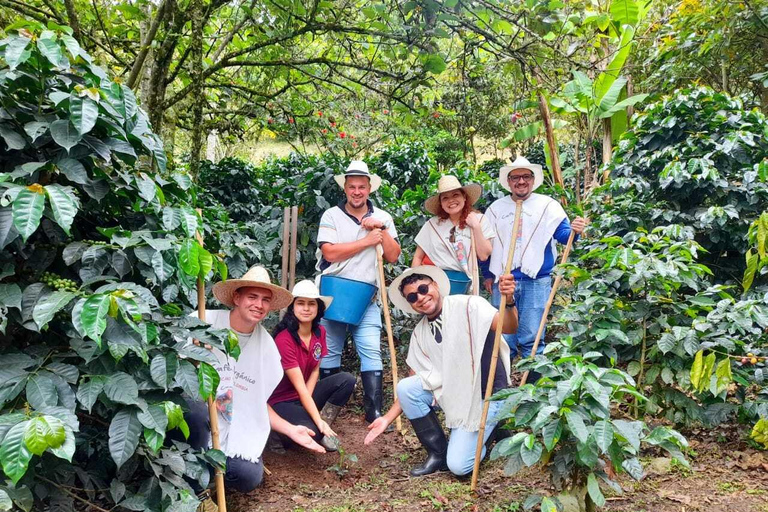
<point x="531" y="296"/>
<point x="367" y="337"/>
<point x="416" y="403"/>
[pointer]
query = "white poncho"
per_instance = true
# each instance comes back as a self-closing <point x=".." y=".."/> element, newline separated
<point x="451" y="370"/>
<point x="434" y="238"/>
<point x="245" y="386"/>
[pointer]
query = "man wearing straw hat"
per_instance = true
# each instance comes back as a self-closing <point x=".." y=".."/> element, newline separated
<point x="449" y="356"/>
<point x="347" y="241"/>
<point x="246" y="383"/>
<point x="542" y="224"/>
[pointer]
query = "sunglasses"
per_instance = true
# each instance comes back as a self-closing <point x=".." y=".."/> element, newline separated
<point x="412" y="297"/>
<point x="523" y="177"/>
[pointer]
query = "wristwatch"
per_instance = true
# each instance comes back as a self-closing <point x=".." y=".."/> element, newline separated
<point x="510" y="304"/>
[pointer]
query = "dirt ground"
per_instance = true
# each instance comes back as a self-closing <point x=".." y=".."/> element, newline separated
<point x="725" y="475"/>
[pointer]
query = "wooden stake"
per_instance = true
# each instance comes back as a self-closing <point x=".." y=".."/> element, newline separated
<point x="475" y="266"/>
<point x="294" y="244"/>
<point x="286" y="246"/>
<point x="496" y="343"/>
<point x="213" y="415"/>
<point x="551" y="299"/>
<point x="388" y="324"/>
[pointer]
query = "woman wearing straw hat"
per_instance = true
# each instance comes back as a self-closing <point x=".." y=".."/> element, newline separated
<point x="446" y="239"/>
<point x="300" y="398"/>
<point x="244" y="416"/>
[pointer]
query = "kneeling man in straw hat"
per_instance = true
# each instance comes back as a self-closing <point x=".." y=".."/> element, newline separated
<point x="449" y="357"/>
<point x="246" y="384"/>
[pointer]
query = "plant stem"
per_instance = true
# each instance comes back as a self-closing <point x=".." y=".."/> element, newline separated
<point x="642" y="368"/>
<point x="589" y="505"/>
<point x="73" y="495"/>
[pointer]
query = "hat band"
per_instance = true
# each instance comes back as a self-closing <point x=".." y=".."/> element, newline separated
<point x="357" y="173"/>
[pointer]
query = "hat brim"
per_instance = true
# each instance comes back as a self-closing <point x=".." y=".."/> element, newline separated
<point x="225" y="290"/>
<point x="375" y="180"/>
<point x="473" y="191"/>
<point x="324" y="298"/>
<point x="435" y="273"/>
<point x="538" y="175"/>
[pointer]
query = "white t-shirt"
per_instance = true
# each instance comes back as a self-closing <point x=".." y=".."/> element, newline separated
<point x="338" y="227"/>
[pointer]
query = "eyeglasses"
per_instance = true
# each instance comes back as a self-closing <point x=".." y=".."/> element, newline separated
<point x="412" y="297"/>
<point x="523" y="177"/>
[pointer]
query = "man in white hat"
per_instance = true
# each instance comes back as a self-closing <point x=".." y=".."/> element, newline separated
<point x="347" y="241"/>
<point x="246" y="383"/>
<point x="543" y="223"/>
<point x="449" y="356"/>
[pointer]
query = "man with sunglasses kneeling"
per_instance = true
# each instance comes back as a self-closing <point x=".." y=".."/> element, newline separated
<point x="449" y="358"/>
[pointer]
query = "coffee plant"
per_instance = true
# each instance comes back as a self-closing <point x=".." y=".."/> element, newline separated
<point x="99" y="263"/>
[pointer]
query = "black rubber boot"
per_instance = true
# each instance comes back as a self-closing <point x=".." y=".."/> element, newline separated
<point x="372" y="394"/>
<point x="430" y="433"/>
<point x="327" y="372"/>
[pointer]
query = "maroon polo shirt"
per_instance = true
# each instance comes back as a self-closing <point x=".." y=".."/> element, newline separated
<point x="295" y="354"/>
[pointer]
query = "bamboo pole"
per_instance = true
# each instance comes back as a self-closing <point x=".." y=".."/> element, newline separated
<point x="496" y="343"/>
<point x="388" y="324"/>
<point x="294" y="244"/>
<point x="549" y="132"/>
<point x="213" y="415"/>
<point x="551" y="299"/>
<point x="475" y="266"/>
<point x="286" y="247"/>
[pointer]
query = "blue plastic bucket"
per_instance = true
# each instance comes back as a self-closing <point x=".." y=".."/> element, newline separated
<point x="460" y="282"/>
<point x="350" y="298"/>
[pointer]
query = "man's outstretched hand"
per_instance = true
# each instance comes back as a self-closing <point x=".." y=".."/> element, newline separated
<point x="375" y="429"/>
<point x="302" y="436"/>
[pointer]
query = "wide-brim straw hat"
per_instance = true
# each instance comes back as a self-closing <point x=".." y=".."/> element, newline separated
<point x="359" y="168"/>
<point x="435" y="273"/>
<point x="257" y="277"/>
<point x="448" y="183"/>
<point x="306" y="289"/>
<point x="521" y="163"/>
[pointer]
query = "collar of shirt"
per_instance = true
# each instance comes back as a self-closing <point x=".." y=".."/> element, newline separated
<point x="343" y="206"/>
<point x="436" y="326"/>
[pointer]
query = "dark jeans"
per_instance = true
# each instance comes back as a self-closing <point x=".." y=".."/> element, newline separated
<point x="335" y="389"/>
<point x="241" y="475"/>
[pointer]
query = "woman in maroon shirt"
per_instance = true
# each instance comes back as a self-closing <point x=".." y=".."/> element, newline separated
<point x="301" y="398"/>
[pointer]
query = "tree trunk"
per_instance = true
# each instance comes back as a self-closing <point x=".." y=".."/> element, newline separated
<point x="146" y="42"/>
<point x="74" y="23"/>
<point x="196" y="68"/>
<point x="576" y="154"/>
<point x="554" y="157"/>
<point x="630" y="93"/>
<point x="607" y="147"/>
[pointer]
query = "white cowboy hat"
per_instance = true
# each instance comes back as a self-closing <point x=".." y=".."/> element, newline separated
<point x="306" y="289"/>
<point x="448" y="183"/>
<point x="433" y="272"/>
<point x="521" y="163"/>
<point x="359" y="168"/>
<point x="257" y="277"/>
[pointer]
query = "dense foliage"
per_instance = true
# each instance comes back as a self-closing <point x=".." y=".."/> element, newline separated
<point x="99" y="259"/>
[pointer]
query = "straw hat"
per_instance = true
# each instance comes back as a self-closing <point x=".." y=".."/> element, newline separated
<point x="257" y="277"/>
<point x="437" y="275"/>
<point x="448" y="183"/>
<point x="359" y="168"/>
<point x="521" y="163"/>
<point x="306" y="289"/>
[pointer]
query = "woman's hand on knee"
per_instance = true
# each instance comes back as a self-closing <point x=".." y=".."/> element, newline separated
<point x="325" y="429"/>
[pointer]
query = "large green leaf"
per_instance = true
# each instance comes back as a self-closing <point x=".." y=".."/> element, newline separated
<point x="37" y="434"/>
<point x="93" y="316"/>
<point x="435" y="64"/>
<point x="163" y="269"/>
<point x="65" y="134"/>
<point x="12" y="138"/>
<point x="83" y="113"/>
<point x="124" y="432"/>
<point x="551" y="433"/>
<point x="121" y="387"/>
<point x="186" y="378"/>
<point x="28" y="210"/>
<point x="577" y="426"/>
<point x="49" y="47"/>
<point x="163" y="369"/>
<point x="625" y="12"/>
<point x="88" y="392"/>
<point x="5" y="501"/>
<point x="189" y="221"/>
<point x="593" y="488"/>
<point x="14" y="454"/>
<point x="189" y="257"/>
<point x="16" y="51"/>
<point x="49" y="306"/>
<point x="724" y="375"/>
<point x="206" y="262"/>
<point x="154" y="418"/>
<point x="41" y="392"/>
<point x="209" y="380"/>
<point x="67" y="449"/>
<point x="63" y="205"/>
<point x="604" y="435"/>
<point x="605" y="79"/>
<point x="10" y="295"/>
<point x="608" y="100"/>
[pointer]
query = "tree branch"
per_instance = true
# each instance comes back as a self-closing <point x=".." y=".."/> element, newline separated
<point x="144" y="51"/>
